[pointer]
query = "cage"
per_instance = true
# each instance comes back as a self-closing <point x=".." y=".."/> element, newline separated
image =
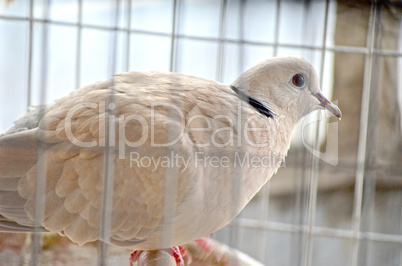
<point x="337" y="200"/>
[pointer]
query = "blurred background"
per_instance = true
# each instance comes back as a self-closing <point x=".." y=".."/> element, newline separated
<point x="337" y="201"/>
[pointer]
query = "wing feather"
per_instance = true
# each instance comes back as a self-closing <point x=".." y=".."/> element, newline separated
<point x="81" y="232"/>
<point x="74" y="174"/>
<point x="67" y="182"/>
<point x="17" y="153"/>
<point x="75" y="201"/>
<point x="59" y="220"/>
<point x="9" y="184"/>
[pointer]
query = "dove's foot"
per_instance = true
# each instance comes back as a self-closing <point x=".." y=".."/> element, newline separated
<point x="204" y="244"/>
<point x="176" y="252"/>
<point x="134" y="256"/>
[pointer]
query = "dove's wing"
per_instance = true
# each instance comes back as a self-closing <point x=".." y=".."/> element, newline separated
<point x="73" y="173"/>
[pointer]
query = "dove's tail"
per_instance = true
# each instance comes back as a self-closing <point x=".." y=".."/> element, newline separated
<point x="18" y="153"/>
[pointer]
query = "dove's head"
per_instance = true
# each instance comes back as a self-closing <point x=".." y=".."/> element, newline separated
<point x="287" y="86"/>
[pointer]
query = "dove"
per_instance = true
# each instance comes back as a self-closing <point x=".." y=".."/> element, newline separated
<point x="199" y="147"/>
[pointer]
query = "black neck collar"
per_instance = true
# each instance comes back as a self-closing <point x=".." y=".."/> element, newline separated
<point x="261" y="108"/>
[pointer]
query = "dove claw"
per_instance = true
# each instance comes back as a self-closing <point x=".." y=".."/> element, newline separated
<point x="134" y="256"/>
<point x="178" y="252"/>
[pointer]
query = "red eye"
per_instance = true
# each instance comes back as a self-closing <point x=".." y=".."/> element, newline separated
<point x="298" y="80"/>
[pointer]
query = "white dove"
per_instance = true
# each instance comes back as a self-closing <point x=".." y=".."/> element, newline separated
<point x="216" y="144"/>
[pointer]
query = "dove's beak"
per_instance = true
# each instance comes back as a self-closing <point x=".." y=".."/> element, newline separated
<point x="324" y="102"/>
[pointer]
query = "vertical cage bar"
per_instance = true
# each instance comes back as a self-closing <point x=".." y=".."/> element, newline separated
<point x="126" y="62"/>
<point x="113" y="38"/>
<point x="79" y="47"/>
<point x="221" y="42"/>
<point x="108" y="184"/>
<point x="264" y="208"/>
<point x="234" y="226"/>
<point x="241" y="35"/>
<point x="173" y="36"/>
<point x="40" y="182"/>
<point x="313" y="190"/>
<point x="171" y="177"/>
<point x="265" y="191"/>
<point x="400" y="229"/>
<point x="363" y="131"/>
<point x="277" y="27"/>
<point x="30" y="54"/>
<point x="109" y="150"/>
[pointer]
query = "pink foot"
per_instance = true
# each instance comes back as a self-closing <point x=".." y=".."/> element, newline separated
<point x="178" y="253"/>
<point x="205" y="245"/>
<point x="134" y="256"/>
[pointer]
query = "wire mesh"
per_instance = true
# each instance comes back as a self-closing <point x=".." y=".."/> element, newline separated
<point x="232" y="43"/>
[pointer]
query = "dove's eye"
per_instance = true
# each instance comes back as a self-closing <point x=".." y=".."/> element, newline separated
<point x="298" y="80"/>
